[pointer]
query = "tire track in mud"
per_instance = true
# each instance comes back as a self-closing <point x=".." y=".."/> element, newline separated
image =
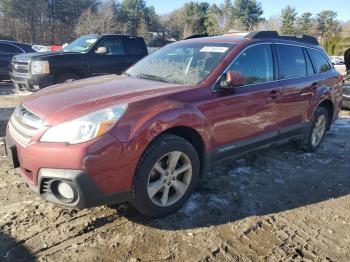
<point x="277" y="238"/>
<point x="44" y="230"/>
<point x="100" y="225"/>
<point x="78" y="231"/>
<point x="320" y="236"/>
<point x="294" y="242"/>
<point x="268" y="240"/>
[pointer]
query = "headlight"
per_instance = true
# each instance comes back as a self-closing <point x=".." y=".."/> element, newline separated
<point x="40" y="67"/>
<point x="85" y="128"/>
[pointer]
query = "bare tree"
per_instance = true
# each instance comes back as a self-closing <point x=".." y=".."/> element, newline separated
<point x="101" y="21"/>
<point x="273" y="23"/>
<point x="142" y="30"/>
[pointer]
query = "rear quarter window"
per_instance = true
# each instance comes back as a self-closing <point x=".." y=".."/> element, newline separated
<point x="134" y="46"/>
<point x="291" y="61"/>
<point x="320" y="63"/>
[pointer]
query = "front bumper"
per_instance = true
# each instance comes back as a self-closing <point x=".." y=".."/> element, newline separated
<point x="31" y="82"/>
<point x="99" y="170"/>
<point x="86" y="192"/>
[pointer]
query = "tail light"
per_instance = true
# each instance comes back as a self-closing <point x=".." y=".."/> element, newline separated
<point x="341" y="79"/>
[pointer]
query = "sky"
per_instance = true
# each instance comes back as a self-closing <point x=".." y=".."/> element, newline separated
<point x="270" y="7"/>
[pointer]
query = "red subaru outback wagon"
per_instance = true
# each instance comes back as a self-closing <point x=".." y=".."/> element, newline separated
<point x="147" y="136"/>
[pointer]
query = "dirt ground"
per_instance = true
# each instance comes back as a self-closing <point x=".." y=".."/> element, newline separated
<point x="275" y="205"/>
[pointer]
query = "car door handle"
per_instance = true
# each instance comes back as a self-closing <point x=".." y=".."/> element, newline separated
<point x="273" y="94"/>
<point x="315" y="85"/>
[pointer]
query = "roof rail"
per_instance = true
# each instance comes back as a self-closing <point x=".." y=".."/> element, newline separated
<point x="196" y="36"/>
<point x="307" y="39"/>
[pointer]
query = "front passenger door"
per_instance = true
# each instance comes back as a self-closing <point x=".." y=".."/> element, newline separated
<point x="247" y="115"/>
<point x="111" y="62"/>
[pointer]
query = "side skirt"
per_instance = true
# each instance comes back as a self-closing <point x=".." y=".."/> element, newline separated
<point x="241" y="148"/>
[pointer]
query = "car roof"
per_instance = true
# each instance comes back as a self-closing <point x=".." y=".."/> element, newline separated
<point x="217" y="39"/>
<point x="25" y="47"/>
<point x="227" y="39"/>
<point x="113" y="34"/>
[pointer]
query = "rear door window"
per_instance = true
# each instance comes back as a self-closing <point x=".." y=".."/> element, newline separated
<point x="320" y="62"/>
<point x="291" y="61"/>
<point x="255" y="64"/>
<point x="9" y="49"/>
<point x="134" y="46"/>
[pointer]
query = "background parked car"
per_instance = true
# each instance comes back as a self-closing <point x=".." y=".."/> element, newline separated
<point x="8" y="49"/>
<point x="44" y="48"/>
<point x="346" y="96"/>
<point x="89" y="55"/>
<point x="337" y="60"/>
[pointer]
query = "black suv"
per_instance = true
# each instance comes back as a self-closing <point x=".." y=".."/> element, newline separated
<point x="8" y="49"/>
<point x="87" y="56"/>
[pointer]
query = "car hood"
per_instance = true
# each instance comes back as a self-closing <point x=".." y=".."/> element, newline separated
<point x="67" y="101"/>
<point x="41" y="55"/>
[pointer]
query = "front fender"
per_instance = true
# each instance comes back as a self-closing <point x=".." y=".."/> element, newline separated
<point x="161" y="118"/>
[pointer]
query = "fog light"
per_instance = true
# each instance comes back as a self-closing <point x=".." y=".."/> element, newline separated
<point x="65" y="190"/>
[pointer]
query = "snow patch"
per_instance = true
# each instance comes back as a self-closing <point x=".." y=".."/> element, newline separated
<point x="191" y="204"/>
<point x="215" y="200"/>
<point x="243" y="170"/>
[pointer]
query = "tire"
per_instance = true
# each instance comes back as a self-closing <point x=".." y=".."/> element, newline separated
<point x="67" y="77"/>
<point x="148" y="179"/>
<point x="310" y="144"/>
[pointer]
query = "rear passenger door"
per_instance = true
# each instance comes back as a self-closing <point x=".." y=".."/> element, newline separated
<point x="327" y="75"/>
<point x="299" y="82"/>
<point x="111" y="62"/>
<point x="135" y="49"/>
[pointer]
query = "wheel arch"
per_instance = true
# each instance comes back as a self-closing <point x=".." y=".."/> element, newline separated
<point x="329" y="106"/>
<point x="58" y="75"/>
<point x="193" y="137"/>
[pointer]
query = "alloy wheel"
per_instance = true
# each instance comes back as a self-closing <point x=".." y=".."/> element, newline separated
<point x="318" y="131"/>
<point x="169" y="178"/>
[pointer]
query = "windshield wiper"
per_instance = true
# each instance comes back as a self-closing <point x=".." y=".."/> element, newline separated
<point x="154" y="77"/>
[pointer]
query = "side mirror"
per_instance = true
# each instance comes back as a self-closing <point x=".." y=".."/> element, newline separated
<point x="101" y="50"/>
<point x="233" y="79"/>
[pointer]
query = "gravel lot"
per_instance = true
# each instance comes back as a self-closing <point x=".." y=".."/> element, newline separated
<point x="278" y="204"/>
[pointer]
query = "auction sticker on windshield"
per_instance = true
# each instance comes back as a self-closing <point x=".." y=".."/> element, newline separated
<point x="214" y="49"/>
<point x="91" y="41"/>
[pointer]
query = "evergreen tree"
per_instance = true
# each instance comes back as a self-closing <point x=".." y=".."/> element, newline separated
<point x="326" y="23"/>
<point x="247" y="14"/>
<point x="304" y="23"/>
<point x="288" y="20"/>
<point x="212" y="22"/>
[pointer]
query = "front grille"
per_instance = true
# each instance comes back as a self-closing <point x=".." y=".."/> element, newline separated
<point x="20" y="68"/>
<point x="24" y="125"/>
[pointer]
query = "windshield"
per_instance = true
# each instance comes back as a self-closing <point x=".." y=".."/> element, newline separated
<point x="81" y="44"/>
<point x="187" y="63"/>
